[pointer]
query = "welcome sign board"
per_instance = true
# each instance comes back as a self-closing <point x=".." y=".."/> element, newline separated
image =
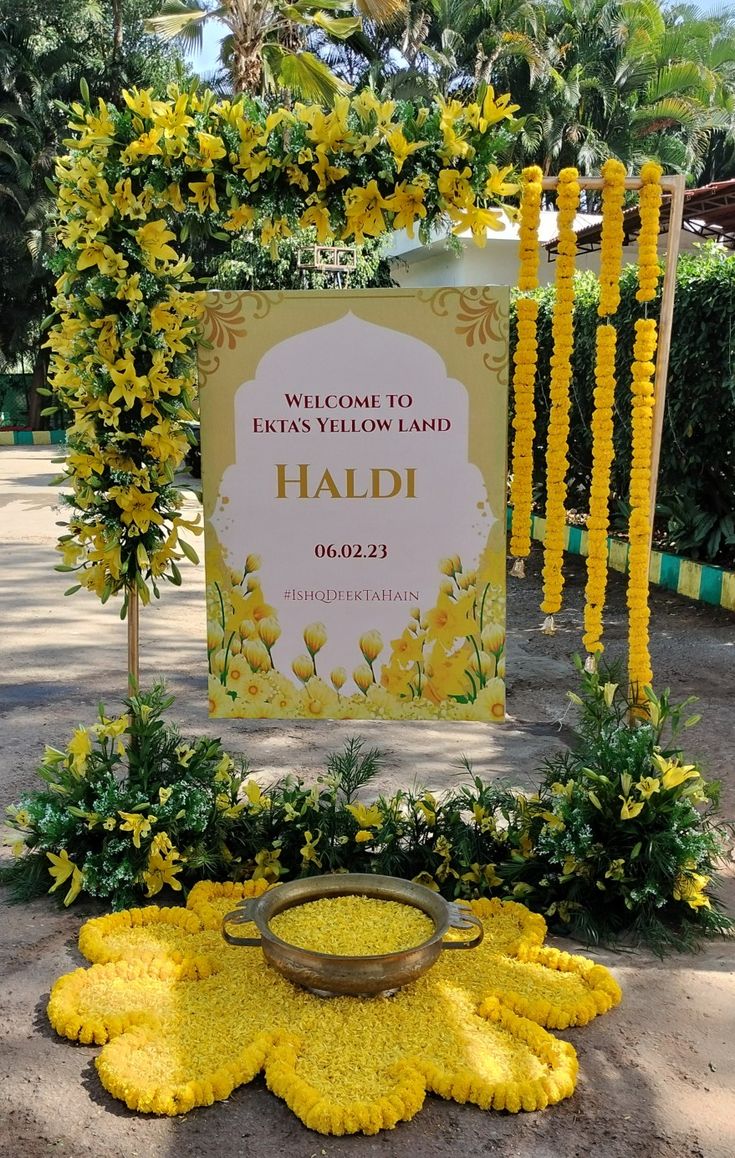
<point x="354" y="465"/>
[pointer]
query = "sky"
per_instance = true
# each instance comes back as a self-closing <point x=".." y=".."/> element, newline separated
<point x="206" y="61"/>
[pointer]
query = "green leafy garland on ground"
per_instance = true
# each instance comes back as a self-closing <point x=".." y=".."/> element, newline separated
<point x="619" y="839"/>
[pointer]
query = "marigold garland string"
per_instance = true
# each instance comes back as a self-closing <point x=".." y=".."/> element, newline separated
<point x="643" y="400"/>
<point x="643" y="368"/>
<point x="525" y="360"/>
<point x="184" y="1020"/>
<point x="611" y="258"/>
<point x="561" y="372"/>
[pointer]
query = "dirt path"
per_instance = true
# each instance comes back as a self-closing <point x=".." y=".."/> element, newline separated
<point x="657" y="1074"/>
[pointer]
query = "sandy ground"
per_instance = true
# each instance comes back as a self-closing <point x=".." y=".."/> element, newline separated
<point x="657" y="1074"/>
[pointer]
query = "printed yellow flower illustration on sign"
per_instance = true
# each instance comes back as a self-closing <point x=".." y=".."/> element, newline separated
<point x="448" y="662"/>
<point x="184" y="1020"/>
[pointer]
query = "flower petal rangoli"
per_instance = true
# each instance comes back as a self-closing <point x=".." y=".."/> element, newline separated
<point x="184" y="1020"/>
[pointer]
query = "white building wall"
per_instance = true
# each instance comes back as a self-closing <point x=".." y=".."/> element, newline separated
<point x="423" y="266"/>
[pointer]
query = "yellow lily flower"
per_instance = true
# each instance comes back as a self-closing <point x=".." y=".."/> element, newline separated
<point x="689" y="887"/>
<point x="256" y="799"/>
<point x="162" y="871"/>
<point x="317" y="217"/>
<point x="401" y="148"/>
<point x="204" y="194"/>
<point x="630" y="808"/>
<point x="136" y="823"/>
<point x="367" y="816"/>
<point x="136" y="507"/>
<point x="309" y="855"/>
<point x="496" y="184"/>
<point x="127" y="384"/>
<point x="61" y="869"/>
<point x="495" y="109"/>
<point x="241" y="218"/>
<point x="674" y="774"/>
<point x="406" y="203"/>
<point x="80" y="748"/>
<point x="478" y="220"/>
<point x="152" y="239"/>
<point x="648" y="786"/>
<point x="364" y="212"/>
<point x="454" y="187"/>
<point x="327" y="173"/>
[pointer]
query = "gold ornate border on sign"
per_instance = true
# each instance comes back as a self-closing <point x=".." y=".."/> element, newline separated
<point x="480" y="316"/>
<point x="224" y="323"/>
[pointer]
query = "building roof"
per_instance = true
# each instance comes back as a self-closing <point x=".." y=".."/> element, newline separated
<point x="709" y="212"/>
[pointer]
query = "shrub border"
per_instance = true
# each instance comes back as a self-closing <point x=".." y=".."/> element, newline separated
<point x="700" y="581"/>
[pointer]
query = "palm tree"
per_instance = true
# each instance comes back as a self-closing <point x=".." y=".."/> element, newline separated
<point x="627" y="79"/>
<point x="473" y="43"/>
<point x="264" y="48"/>
<point x="442" y="46"/>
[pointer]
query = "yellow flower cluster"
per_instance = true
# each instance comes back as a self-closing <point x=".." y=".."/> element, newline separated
<point x="561" y="372"/>
<point x="643" y="369"/>
<point x="184" y="1020"/>
<point x="525" y="359"/>
<point x="603" y="453"/>
<point x="130" y="188"/>
<point x="448" y="662"/>
<point x="649" y="209"/>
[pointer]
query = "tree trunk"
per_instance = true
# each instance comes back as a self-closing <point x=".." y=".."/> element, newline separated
<point x="117" y="29"/>
<point x="247" y="67"/>
<point x="38" y="380"/>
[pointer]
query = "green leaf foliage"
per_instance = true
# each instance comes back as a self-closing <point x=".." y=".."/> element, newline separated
<point x="130" y="807"/>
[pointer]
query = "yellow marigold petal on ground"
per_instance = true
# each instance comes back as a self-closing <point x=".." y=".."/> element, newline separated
<point x="181" y="1033"/>
<point x="353" y="926"/>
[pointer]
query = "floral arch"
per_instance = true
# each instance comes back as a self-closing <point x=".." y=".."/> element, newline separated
<point x="132" y="186"/>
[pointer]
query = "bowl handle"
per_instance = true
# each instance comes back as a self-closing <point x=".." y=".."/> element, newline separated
<point x="244" y="914"/>
<point x="461" y="917"/>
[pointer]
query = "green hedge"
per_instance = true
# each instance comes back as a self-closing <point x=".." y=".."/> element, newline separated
<point x="697" y="474"/>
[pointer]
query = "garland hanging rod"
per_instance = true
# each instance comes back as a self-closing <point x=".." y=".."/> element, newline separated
<point x="669" y="183"/>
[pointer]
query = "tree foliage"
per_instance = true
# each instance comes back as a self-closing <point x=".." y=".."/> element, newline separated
<point x="636" y="79"/>
<point x="264" y="47"/>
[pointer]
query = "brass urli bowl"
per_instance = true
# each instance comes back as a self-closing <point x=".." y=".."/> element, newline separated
<point x="329" y="975"/>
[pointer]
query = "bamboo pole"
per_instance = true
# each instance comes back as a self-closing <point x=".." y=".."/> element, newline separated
<point x="133" y="640"/>
<point x="676" y="216"/>
<point x="667" y="183"/>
